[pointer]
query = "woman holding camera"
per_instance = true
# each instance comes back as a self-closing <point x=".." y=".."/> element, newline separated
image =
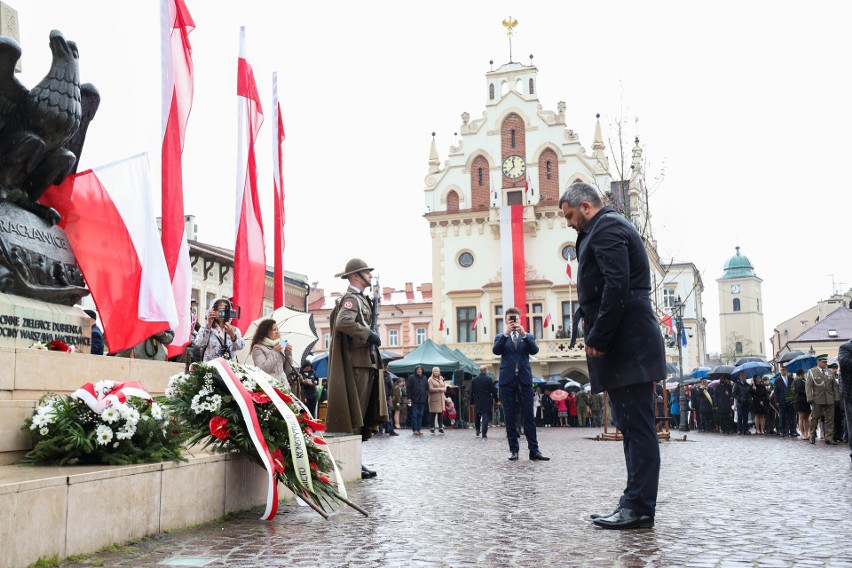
<point x="268" y="353"/>
<point x="218" y="338"/>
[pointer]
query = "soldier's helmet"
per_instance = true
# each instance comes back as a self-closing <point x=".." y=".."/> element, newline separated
<point x="353" y="266"/>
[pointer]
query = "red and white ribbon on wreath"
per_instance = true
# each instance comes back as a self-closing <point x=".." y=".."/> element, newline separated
<point x="298" y="449"/>
<point x="244" y="401"/>
<point x="117" y="393"/>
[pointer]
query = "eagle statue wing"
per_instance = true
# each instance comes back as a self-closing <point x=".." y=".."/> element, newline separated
<point x="11" y="90"/>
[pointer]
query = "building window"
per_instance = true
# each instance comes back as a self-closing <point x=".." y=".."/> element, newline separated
<point x="738" y="348"/>
<point x="532" y="89"/>
<point x="668" y="298"/>
<point x="210" y="297"/>
<point x="548" y="169"/>
<point x="327" y="340"/>
<point x="491" y="91"/>
<point x="736" y="304"/>
<point x="465" y="317"/>
<point x="480" y="176"/>
<point x="537" y="321"/>
<point x="393" y="337"/>
<point x="758" y="303"/>
<point x="513" y="138"/>
<point x="267" y="311"/>
<point x="465" y="260"/>
<point x="420" y="335"/>
<point x="452" y="202"/>
<point x="498" y="320"/>
<point x="567" y="316"/>
<point x="569" y="252"/>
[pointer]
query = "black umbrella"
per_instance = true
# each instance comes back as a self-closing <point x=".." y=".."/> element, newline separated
<point x="671" y="369"/>
<point x="691" y="381"/>
<point x="721" y="370"/>
<point x="790" y="356"/>
<point x="742" y="360"/>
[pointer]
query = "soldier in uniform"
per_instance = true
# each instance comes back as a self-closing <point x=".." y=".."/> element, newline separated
<point x="356" y="390"/>
<point x="582" y="402"/>
<point x="822" y="390"/>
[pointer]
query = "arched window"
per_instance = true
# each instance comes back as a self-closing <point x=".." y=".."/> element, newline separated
<point x="532" y="89"/>
<point x="738" y="347"/>
<point x="736" y="304"/>
<point x="519" y="86"/>
<point x="513" y="138"/>
<point x="491" y="91"/>
<point x="548" y="176"/>
<point x="480" y="183"/>
<point x="452" y="202"/>
<point x="548" y="169"/>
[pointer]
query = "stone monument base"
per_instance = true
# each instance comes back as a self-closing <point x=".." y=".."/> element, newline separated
<point x="24" y="321"/>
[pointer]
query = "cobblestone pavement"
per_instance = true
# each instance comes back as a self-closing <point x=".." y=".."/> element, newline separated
<point x="455" y="500"/>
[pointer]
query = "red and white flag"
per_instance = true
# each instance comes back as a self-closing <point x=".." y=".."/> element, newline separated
<point x="547" y="320"/>
<point x="441" y="325"/>
<point x="476" y="320"/>
<point x="667" y="321"/>
<point x="176" y="23"/>
<point x="568" y="271"/>
<point x="278" y="205"/>
<point x="512" y="258"/>
<point x="527" y="183"/>
<point x="249" y="252"/>
<point x="110" y="223"/>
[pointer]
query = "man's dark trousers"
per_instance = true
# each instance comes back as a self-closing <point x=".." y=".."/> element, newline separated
<point x="482" y="420"/>
<point x="514" y="395"/>
<point x="742" y="417"/>
<point x="787" y="420"/>
<point x="633" y="414"/>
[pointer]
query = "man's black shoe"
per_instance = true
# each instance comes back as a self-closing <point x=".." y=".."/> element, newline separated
<point x="393" y="433"/>
<point x="813" y="439"/>
<point x="594" y="516"/>
<point x="625" y="519"/>
<point x="538" y="456"/>
<point x="367" y="473"/>
<point x="514" y="456"/>
<point x="484" y="437"/>
<point x="831" y="442"/>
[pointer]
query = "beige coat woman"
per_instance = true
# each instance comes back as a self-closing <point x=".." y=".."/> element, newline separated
<point x="437" y="392"/>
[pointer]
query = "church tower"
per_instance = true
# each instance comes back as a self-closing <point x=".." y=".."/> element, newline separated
<point x="740" y="310"/>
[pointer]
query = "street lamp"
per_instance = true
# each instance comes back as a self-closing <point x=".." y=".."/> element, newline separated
<point x="684" y="403"/>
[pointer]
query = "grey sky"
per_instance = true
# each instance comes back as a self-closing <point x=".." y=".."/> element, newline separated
<point x="743" y="104"/>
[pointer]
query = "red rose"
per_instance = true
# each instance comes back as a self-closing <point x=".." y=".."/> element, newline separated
<point x="324" y="479"/>
<point x="278" y="463"/>
<point x="259" y="397"/>
<point x="318" y="426"/>
<point x="313" y="465"/>
<point x="219" y="427"/>
<point x="320" y="441"/>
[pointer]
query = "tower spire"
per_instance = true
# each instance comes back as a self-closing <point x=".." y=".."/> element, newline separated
<point x="510" y="25"/>
<point x="598" y="145"/>
<point x="434" y="161"/>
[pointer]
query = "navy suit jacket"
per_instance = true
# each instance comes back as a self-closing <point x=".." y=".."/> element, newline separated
<point x="781" y="391"/>
<point x="510" y="356"/>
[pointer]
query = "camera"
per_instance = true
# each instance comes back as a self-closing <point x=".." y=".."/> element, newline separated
<point x="227" y="313"/>
<point x="513" y="319"/>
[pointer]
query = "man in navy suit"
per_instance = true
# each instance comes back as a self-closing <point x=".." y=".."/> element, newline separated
<point x="784" y="400"/>
<point x="624" y="346"/>
<point x="514" y="346"/>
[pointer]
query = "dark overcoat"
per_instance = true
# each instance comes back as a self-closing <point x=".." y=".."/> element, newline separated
<point x="614" y="284"/>
<point x="483" y="393"/>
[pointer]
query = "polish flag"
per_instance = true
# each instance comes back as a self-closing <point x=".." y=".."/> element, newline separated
<point x="512" y="258"/>
<point x="249" y="252"/>
<point x="441" y="325"/>
<point x="547" y="320"/>
<point x="667" y="321"/>
<point x="278" y="205"/>
<point x="176" y="23"/>
<point x="111" y="226"/>
<point x="527" y="183"/>
<point x="568" y="271"/>
<point x="476" y="320"/>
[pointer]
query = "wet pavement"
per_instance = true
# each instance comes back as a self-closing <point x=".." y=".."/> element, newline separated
<point x="454" y="500"/>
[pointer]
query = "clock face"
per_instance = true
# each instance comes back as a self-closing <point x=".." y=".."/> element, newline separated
<point x="514" y="167"/>
<point x="735" y="289"/>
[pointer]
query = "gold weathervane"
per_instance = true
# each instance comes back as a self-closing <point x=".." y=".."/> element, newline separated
<point x="510" y="25"/>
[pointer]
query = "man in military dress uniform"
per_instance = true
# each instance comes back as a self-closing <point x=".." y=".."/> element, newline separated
<point x="356" y="391"/>
<point x="822" y="390"/>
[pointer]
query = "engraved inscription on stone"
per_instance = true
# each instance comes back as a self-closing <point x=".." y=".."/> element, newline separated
<point x="22" y="228"/>
<point x="9" y="26"/>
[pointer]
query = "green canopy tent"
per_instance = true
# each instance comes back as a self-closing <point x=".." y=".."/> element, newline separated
<point x="427" y="355"/>
<point x="470" y="365"/>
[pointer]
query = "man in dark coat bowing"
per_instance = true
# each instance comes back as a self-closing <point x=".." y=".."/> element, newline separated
<point x="624" y="345"/>
<point x="483" y="394"/>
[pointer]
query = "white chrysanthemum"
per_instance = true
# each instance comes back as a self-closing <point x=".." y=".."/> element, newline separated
<point x="38" y="422"/>
<point x="44" y="431"/>
<point x="132" y="415"/>
<point x="171" y="392"/>
<point x="115" y="444"/>
<point x="111" y="415"/>
<point x="249" y="384"/>
<point x="104" y="387"/>
<point x="215" y="403"/>
<point x="195" y="404"/>
<point x="126" y="432"/>
<point x="103" y="434"/>
<point x="122" y="408"/>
